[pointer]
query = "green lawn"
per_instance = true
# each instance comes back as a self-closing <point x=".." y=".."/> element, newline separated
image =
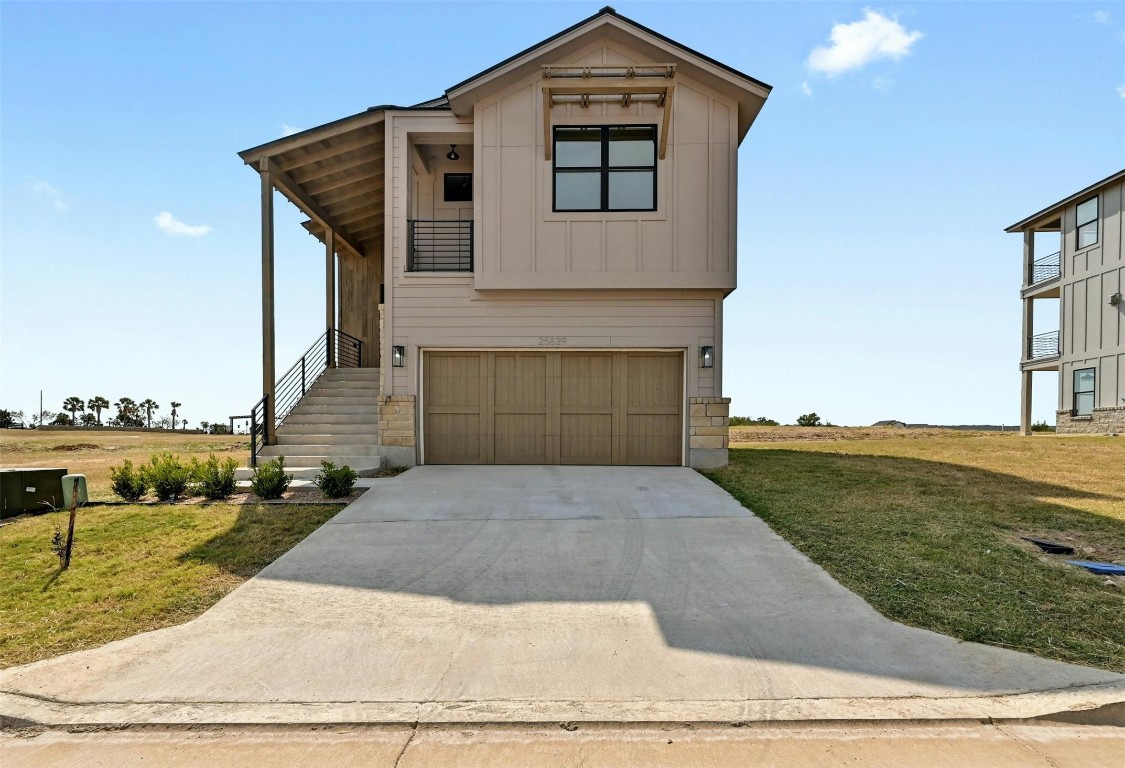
<point x="135" y="568"/>
<point x="928" y="531"/>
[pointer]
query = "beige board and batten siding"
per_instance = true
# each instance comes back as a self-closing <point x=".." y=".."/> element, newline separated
<point x="687" y="243"/>
<point x="1093" y="330"/>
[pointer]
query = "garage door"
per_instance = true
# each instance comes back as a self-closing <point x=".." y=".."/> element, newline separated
<point x="553" y="407"/>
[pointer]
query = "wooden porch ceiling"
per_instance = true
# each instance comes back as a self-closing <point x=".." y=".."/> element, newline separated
<point x="335" y="177"/>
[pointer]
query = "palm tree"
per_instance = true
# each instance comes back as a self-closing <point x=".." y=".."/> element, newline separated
<point x="204" y="424"/>
<point x="126" y="408"/>
<point x="175" y="405"/>
<point x="149" y="405"/>
<point x="74" y="405"/>
<point x="96" y="404"/>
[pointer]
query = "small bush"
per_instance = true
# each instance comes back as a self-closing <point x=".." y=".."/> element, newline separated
<point x="269" y="480"/>
<point x="808" y="420"/>
<point x="128" y="483"/>
<point x="1042" y="426"/>
<point x="335" y="482"/>
<point x="746" y="421"/>
<point x="213" y="479"/>
<point x="167" y="475"/>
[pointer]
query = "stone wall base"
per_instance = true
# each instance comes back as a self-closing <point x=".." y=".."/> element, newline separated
<point x="708" y="432"/>
<point x="1107" y="420"/>
<point x="398" y="430"/>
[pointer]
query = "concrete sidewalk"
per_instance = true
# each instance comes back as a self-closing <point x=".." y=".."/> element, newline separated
<point x="544" y="594"/>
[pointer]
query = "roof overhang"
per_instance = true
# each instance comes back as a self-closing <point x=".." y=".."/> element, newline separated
<point x="1052" y="212"/>
<point x="749" y="92"/>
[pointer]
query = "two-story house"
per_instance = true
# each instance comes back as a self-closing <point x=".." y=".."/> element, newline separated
<point x="528" y="269"/>
<point x="1085" y="273"/>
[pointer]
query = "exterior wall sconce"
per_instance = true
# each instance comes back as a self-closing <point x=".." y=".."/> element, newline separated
<point x="706" y="357"/>
<point x="1115" y="300"/>
<point x="398" y="356"/>
<point x="452" y="153"/>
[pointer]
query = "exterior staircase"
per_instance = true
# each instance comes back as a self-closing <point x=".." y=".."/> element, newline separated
<point x="337" y="420"/>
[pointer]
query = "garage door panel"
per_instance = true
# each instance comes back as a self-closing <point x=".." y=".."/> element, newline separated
<point x="554" y="407"/>
<point x="520" y="438"/>
<point x="586" y="438"/>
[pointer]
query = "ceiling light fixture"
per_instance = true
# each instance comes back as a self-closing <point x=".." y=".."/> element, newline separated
<point x="452" y="153"/>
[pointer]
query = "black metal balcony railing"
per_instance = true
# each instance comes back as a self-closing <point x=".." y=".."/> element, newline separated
<point x="1044" y="269"/>
<point x="439" y="246"/>
<point x="1043" y="345"/>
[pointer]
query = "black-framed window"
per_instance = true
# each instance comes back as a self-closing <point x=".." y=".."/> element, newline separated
<point x="1084" y="380"/>
<point x="604" y="168"/>
<point x="1087" y="223"/>
<point x="458" y="187"/>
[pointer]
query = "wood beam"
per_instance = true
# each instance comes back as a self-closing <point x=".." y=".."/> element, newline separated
<point x="368" y="232"/>
<point x="346" y="125"/>
<point x="420" y="159"/>
<point x="667" y="121"/>
<point x="310" y="207"/>
<point x="357" y="192"/>
<point x="364" y="217"/>
<point x="366" y="138"/>
<point x="321" y="187"/>
<point x="312" y="173"/>
<point x="269" y="373"/>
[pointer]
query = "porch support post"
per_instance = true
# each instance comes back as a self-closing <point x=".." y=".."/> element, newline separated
<point x="330" y="292"/>
<point x="269" y="374"/>
<point x="1028" y="254"/>
<point x="1025" y="403"/>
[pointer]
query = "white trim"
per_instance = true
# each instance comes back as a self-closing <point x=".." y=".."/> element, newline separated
<point x="684" y="400"/>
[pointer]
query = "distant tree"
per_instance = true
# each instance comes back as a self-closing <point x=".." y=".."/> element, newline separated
<point x="205" y="425"/>
<point x="89" y="420"/>
<point x="97" y="404"/>
<point x="183" y="424"/>
<point x="164" y="423"/>
<point x="808" y="420"/>
<point x="148" y="406"/>
<point x="175" y="412"/>
<point x="219" y="428"/>
<point x="127" y="412"/>
<point x="62" y="420"/>
<point x="73" y="405"/>
<point x="41" y="418"/>
<point x="7" y="418"/>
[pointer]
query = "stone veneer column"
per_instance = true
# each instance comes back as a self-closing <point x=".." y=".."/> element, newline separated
<point x="708" y="432"/>
<point x="398" y="430"/>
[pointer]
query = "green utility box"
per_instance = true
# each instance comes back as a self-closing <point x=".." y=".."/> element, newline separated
<point x="24" y="489"/>
<point x="68" y="491"/>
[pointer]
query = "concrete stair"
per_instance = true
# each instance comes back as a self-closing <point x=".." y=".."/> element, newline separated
<point x="337" y="420"/>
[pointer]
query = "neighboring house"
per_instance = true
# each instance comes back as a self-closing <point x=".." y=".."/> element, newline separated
<point x="1086" y="273"/>
<point x="535" y="262"/>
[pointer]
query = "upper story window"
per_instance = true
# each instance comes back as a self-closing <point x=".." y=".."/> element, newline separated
<point x="1087" y="223"/>
<point x="1084" y="391"/>
<point x="458" y="188"/>
<point x="605" y="168"/>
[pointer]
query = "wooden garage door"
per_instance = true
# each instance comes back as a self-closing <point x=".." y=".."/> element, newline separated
<point x="553" y="407"/>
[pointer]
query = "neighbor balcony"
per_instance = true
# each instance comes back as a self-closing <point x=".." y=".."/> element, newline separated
<point x="439" y="246"/>
<point x="1042" y="349"/>
<point x="1043" y="276"/>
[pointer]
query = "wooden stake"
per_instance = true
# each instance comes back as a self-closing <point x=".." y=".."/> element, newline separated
<point x="70" y="528"/>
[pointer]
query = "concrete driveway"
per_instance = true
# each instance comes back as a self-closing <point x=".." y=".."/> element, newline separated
<point x="547" y="594"/>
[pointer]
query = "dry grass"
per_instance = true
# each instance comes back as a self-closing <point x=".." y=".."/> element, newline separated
<point x="93" y="453"/>
<point x="136" y="568"/>
<point x="926" y="526"/>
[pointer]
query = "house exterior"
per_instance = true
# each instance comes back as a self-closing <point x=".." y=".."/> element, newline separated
<point x="1086" y="273"/>
<point x="528" y="269"/>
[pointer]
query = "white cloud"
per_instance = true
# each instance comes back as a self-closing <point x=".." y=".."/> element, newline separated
<point x="288" y="130"/>
<point x="805" y="88"/>
<point x="1101" y="17"/>
<point x="170" y="225"/>
<point x="855" y="45"/>
<point x="43" y="189"/>
<point x="1121" y="90"/>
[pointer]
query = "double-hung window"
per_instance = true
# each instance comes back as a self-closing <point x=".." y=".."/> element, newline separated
<point x="605" y="168"/>
<point x="1084" y="379"/>
<point x="1087" y="223"/>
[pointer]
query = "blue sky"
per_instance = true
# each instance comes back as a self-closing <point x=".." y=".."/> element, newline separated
<point x="875" y="278"/>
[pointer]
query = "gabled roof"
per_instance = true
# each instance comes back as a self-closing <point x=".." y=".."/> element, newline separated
<point x="1054" y="208"/>
<point x="750" y="92"/>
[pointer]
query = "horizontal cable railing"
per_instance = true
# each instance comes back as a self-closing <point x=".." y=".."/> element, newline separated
<point x="294" y="383"/>
<point x="1044" y="269"/>
<point x="1043" y="345"/>
<point x="439" y="246"/>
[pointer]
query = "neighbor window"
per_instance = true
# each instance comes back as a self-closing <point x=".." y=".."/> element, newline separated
<point x="605" y="168"/>
<point x="1084" y="392"/>
<point x="1087" y="223"/>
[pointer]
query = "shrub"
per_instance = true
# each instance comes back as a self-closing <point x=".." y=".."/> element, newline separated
<point x="1042" y="426"/>
<point x="808" y="420"/>
<point x="213" y="478"/>
<point x="746" y="421"/>
<point x="335" y="482"/>
<point x="167" y="475"/>
<point x="128" y="483"/>
<point x="269" y="480"/>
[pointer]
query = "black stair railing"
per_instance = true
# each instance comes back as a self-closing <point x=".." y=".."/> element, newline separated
<point x="347" y="352"/>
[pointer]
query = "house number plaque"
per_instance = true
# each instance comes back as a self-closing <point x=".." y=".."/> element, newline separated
<point x="552" y="341"/>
